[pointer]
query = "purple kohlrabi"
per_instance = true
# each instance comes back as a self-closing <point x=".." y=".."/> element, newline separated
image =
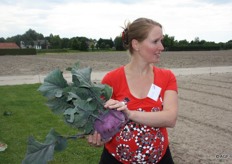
<point x="110" y="123"/>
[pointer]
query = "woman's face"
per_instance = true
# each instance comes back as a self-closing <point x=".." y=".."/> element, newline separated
<point x="151" y="48"/>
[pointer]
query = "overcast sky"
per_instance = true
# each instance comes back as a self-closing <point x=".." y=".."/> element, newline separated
<point x="210" y="20"/>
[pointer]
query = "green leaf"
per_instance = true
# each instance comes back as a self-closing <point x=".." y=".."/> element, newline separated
<point x="72" y="96"/>
<point x="76" y="66"/>
<point x="41" y="153"/>
<point x="53" y="84"/>
<point x="80" y="92"/>
<point x="85" y="106"/>
<point x="107" y="92"/>
<point x="69" y="113"/>
<point x="88" y="128"/>
<point x="58" y="105"/>
<point x="60" y="142"/>
<point x="81" y="119"/>
<point x="83" y="75"/>
<point x="59" y="93"/>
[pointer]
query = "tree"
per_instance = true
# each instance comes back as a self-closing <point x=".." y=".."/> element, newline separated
<point x="118" y="43"/>
<point x="75" y="45"/>
<point x="65" y="43"/>
<point x="2" y="40"/>
<point x="30" y="36"/>
<point x="55" y="41"/>
<point x="168" y="42"/>
<point x="105" y="43"/>
<point x="183" y="42"/>
<point x="84" y="46"/>
<point x="15" y="39"/>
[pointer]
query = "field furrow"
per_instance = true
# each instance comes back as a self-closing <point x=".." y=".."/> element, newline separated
<point x="206" y="99"/>
<point x="193" y="142"/>
<point x="224" y="93"/>
<point x="203" y="132"/>
<point x="221" y="130"/>
<point x="206" y="114"/>
<point x="206" y="104"/>
<point x="206" y="84"/>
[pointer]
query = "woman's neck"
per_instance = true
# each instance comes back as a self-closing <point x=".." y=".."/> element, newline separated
<point x="139" y="68"/>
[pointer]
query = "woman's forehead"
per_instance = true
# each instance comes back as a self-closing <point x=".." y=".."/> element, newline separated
<point x="155" y="32"/>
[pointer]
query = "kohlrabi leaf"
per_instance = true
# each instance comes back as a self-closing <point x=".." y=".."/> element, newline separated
<point x="85" y="106"/>
<point x="101" y="91"/>
<point x="75" y="66"/>
<point x="107" y="92"/>
<point x="89" y="128"/>
<point x="58" y="105"/>
<point x="60" y="142"/>
<point x="81" y="118"/>
<point x="41" y="153"/>
<point x="82" y="93"/>
<point x="53" y="84"/>
<point x="72" y="96"/>
<point x="69" y="114"/>
<point x="83" y="76"/>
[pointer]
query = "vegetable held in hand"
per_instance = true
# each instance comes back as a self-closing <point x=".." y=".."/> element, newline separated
<point x="109" y="124"/>
<point x="81" y="104"/>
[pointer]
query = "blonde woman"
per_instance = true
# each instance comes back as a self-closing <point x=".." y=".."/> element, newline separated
<point x="153" y="101"/>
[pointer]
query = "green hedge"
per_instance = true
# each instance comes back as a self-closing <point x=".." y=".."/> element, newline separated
<point x="28" y="51"/>
<point x="52" y="50"/>
<point x="194" y="48"/>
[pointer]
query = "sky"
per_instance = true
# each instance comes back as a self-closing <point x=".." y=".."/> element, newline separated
<point x="208" y="20"/>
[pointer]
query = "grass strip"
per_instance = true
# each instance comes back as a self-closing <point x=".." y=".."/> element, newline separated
<point x="23" y="112"/>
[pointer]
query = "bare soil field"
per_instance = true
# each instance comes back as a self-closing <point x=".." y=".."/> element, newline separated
<point x="203" y="133"/>
<point x="105" y="61"/>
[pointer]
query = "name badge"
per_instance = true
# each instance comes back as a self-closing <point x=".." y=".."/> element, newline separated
<point x="154" y="92"/>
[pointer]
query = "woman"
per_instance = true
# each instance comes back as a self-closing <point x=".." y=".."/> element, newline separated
<point x="153" y="101"/>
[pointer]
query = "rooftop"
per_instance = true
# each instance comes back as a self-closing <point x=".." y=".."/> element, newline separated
<point x="9" y="46"/>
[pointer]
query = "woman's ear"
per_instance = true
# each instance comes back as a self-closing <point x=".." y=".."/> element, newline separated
<point x="135" y="44"/>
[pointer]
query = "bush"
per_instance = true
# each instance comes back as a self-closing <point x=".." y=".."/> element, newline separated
<point x="52" y="50"/>
<point x="193" y="48"/>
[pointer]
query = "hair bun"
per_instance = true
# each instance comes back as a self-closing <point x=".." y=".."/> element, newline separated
<point x="125" y="38"/>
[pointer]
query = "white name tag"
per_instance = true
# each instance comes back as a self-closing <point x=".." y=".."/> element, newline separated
<point x="154" y="92"/>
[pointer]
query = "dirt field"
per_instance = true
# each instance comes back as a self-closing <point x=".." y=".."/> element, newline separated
<point x="105" y="61"/>
<point x="203" y="133"/>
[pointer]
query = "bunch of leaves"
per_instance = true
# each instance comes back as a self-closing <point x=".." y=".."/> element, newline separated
<point x="81" y="101"/>
<point x="81" y="104"/>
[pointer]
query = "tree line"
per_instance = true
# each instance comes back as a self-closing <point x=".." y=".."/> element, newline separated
<point x="32" y="39"/>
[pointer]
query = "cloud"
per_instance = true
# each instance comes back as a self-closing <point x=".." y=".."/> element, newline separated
<point x="183" y="19"/>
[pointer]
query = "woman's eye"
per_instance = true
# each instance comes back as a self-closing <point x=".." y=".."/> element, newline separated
<point x="156" y="41"/>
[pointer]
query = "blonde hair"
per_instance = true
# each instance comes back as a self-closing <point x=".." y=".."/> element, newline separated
<point x="139" y="30"/>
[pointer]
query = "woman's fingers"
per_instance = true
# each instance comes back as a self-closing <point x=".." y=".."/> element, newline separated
<point x="95" y="139"/>
<point x="115" y="104"/>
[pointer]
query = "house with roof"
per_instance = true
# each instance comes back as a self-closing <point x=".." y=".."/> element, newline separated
<point x="38" y="44"/>
<point x="9" y="45"/>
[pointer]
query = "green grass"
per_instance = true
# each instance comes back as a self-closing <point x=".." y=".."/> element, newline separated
<point x="30" y="116"/>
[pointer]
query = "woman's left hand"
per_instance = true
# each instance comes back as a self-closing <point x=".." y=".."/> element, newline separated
<point x="95" y="139"/>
